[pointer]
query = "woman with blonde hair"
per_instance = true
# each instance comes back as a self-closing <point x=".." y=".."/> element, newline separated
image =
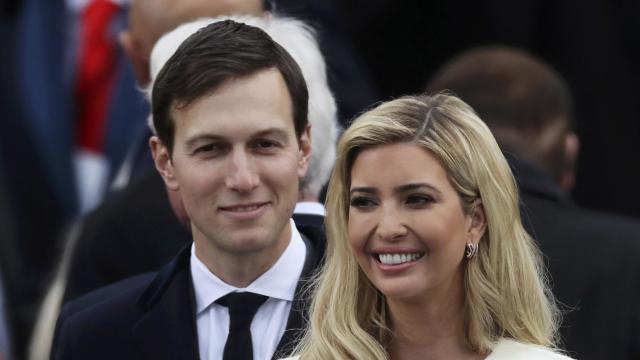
<point x="427" y="257"/>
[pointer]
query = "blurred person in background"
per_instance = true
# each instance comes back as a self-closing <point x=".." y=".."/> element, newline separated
<point x="592" y="257"/>
<point x="66" y="89"/>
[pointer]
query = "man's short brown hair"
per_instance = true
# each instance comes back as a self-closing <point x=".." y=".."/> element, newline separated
<point x="217" y="53"/>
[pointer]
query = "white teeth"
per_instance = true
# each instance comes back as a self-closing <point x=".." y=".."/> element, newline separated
<point x="396" y="259"/>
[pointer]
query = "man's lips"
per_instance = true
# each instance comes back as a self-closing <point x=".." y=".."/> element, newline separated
<point x="247" y="211"/>
<point x="243" y="207"/>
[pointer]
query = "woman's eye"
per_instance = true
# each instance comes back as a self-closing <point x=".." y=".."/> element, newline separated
<point x="362" y="203"/>
<point x="419" y="200"/>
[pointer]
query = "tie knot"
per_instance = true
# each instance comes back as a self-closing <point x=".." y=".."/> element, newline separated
<point x="242" y="307"/>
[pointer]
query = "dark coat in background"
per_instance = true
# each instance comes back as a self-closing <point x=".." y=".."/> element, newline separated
<point x="593" y="260"/>
<point x="134" y="231"/>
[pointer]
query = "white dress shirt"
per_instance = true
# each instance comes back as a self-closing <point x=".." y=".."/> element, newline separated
<point x="309" y="207"/>
<point x="268" y="325"/>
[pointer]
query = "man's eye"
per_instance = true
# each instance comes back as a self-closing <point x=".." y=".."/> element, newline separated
<point x="208" y="148"/>
<point x="419" y="200"/>
<point x="363" y="203"/>
<point x="205" y="148"/>
<point x="265" y="144"/>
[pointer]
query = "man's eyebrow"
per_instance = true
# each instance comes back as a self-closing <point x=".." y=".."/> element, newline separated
<point x="192" y="141"/>
<point x="271" y="131"/>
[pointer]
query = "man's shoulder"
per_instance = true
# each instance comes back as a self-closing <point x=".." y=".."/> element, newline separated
<point x="123" y="292"/>
<point x="583" y="225"/>
<point x="100" y="322"/>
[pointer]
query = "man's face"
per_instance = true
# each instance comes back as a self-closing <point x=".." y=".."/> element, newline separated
<point x="236" y="163"/>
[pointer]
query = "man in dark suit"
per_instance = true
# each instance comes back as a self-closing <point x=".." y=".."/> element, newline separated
<point x="230" y="111"/>
<point x="592" y="257"/>
<point x="151" y="239"/>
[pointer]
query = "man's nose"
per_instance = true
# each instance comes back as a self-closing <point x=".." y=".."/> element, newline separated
<point x="241" y="172"/>
<point x="390" y="224"/>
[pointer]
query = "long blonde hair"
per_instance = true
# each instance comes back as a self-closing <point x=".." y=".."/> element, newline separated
<point x="506" y="294"/>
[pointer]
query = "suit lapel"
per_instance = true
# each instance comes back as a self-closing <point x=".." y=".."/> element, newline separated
<point x="167" y="329"/>
<point x="296" y="324"/>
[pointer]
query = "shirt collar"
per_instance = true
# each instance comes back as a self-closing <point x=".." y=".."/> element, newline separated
<point x="309" y="207"/>
<point x="278" y="282"/>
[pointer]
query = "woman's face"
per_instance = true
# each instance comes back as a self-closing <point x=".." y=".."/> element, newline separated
<point x="406" y="224"/>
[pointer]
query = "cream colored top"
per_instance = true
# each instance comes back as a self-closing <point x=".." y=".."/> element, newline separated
<point x="507" y="349"/>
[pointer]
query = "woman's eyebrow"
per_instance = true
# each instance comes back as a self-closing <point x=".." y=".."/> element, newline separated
<point x="363" y="189"/>
<point x="416" y="186"/>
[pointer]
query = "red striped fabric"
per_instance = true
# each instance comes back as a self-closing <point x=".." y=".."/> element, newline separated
<point x="96" y="74"/>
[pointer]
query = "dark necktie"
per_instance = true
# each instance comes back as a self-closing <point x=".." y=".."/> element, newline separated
<point x="242" y="308"/>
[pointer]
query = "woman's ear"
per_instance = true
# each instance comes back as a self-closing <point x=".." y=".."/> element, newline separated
<point x="477" y="224"/>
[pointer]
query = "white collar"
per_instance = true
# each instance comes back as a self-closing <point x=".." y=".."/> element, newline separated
<point x="278" y="282"/>
<point x="309" y="207"/>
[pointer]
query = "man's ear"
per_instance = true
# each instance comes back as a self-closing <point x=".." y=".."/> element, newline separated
<point x="163" y="163"/>
<point x="305" y="151"/>
<point x="571" y="147"/>
<point x="139" y="60"/>
<point x="477" y="224"/>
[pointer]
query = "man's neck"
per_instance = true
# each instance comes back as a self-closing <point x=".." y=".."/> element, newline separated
<point x="240" y="269"/>
<point x="304" y="196"/>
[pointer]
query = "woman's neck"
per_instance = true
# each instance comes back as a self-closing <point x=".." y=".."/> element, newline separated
<point x="429" y="328"/>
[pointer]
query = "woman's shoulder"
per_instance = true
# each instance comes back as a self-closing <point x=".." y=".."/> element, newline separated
<point x="513" y="350"/>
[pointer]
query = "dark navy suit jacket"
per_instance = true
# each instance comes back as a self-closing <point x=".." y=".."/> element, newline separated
<point x="152" y="316"/>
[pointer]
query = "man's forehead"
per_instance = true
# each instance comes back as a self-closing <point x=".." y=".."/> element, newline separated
<point x="244" y="106"/>
<point x="264" y="87"/>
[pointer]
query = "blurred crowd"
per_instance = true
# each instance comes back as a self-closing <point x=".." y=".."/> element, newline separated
<point x="82" y="206"/>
